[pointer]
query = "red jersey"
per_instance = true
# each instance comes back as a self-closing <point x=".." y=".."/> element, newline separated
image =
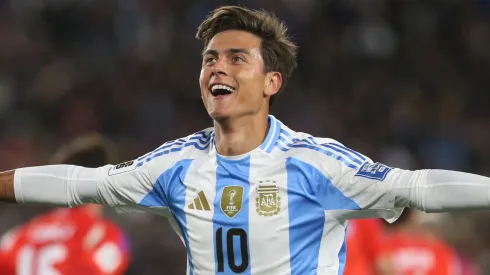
<point x="363" y="240"/>
<point x="418" y="254"/>
<point x="66" y="242"/>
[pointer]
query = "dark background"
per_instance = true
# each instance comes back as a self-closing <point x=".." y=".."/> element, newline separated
<point x="406" y="82"/>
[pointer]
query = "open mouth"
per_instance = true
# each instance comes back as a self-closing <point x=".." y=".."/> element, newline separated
<point x="221" y="90"/>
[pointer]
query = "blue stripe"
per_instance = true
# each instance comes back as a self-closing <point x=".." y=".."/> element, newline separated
<point x="169" y="191"/>
<point x="166" y="145"/>
<point x="275" y="137"/>
<point x="174" y="149"/>
<point x="316" y="147"/>
<point x="202" y="139"/>
<point x="327" y="153"/>
<point x="290" y="139"/>
<point x="144" y="156"/>
<point x="197" y="136"/>
<point x="352" y="158"/>
<point x="310" y="193"/>
<point x="343" y="255"/>
<point x="169" y="144"/>
<point x="306" y="220"/>
<point x="271" y="135"/>
<point x="232" y="173"/>
<point x="363" y="158"/>
<point x="281" y="148"/>
<point x="343" y="148"/>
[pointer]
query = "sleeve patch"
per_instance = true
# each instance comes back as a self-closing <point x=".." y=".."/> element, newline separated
<point x="374" y="171"/>
<point x="122" y="168"/>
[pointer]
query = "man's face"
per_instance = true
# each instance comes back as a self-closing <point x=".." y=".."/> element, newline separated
<point x="232" y="80"/>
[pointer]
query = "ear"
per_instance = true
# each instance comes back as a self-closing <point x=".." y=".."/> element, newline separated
<point x="273" y="82"/>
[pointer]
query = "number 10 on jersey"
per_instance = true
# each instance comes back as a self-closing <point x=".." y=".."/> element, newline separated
<point x="230" y="235"/>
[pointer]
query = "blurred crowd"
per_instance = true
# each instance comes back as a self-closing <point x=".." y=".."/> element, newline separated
<point x="405" y="82"/>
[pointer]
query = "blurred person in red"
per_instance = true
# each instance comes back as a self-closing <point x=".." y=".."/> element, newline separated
<point x="69" y="241"/>
<point x="363" y="243"/>
<point x="413" y="250"/>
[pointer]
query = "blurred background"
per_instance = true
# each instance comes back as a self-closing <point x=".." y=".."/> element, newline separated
<point x="406" y="82"/>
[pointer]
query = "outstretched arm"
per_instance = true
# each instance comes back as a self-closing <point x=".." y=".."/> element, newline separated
<point x="62" y="185"/>
<point x="7" y="186"/>
<point x="441" y="190"/>
<point x="70" y="185"/>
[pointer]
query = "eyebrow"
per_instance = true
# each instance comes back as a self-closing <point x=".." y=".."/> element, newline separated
<point x="227" y="51"/>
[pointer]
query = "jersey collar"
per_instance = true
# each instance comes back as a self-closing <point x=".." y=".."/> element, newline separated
<point x="269" y="142"/>
<point x="272" y="135"/>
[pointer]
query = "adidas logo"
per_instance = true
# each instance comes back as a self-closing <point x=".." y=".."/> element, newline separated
<point x="200" y="203"/>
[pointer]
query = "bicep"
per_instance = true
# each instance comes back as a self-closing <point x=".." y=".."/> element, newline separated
<point x="123" y="186"/>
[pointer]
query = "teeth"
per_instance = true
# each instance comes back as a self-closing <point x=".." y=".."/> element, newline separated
<point x="222" y="87"/>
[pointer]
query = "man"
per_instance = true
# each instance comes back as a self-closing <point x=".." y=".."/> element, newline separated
<point x="414" y="251"/>
<point x="250" y="195"/>
<point x="68" y="241"/>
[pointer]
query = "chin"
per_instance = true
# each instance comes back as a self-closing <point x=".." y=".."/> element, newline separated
<point x="219" y="116"/>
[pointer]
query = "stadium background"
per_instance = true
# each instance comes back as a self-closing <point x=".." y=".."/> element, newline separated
<point x="406" y="82"/>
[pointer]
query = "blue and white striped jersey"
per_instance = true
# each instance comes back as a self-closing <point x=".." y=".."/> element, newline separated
<point x="280" y="209"/>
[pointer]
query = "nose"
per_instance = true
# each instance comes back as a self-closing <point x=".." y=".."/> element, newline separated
<point x="220" y="68"/>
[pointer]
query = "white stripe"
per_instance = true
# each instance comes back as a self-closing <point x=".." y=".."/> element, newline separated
<point x="332" y="240"/>
<point x="175" y="226"/>
<point x="269" y="246"/>
<point x="200" y="222"/>
<point x="284" y="145"/>
<point x="344" y="156"/>
<point x="340" y="146"/>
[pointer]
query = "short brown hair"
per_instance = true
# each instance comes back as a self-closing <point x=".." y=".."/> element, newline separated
<point x="91" y="150"/>
<point x="278" y="51"/>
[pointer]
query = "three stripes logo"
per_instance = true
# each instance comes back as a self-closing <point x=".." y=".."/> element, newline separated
<point x="200" y="203"/>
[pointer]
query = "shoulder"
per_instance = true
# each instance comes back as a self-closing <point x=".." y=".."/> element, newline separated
<point x="198" y="141"/>
<point x="190" y="147"/>
<point x="318" y="150"/>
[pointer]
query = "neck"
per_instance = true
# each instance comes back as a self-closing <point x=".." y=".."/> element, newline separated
<point x="240" y="135"/>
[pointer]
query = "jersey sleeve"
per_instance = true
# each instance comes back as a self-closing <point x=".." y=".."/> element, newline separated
<point x="122" y="186"/>
<point x="368" y="186"/>
<point x="371" y="187"/>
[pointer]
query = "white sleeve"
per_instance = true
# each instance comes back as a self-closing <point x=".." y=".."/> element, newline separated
<point x="67" y="185"/>
<point x="370" y="187"/>
<point x="442" y="191"/>
<point x="381" y="191"/>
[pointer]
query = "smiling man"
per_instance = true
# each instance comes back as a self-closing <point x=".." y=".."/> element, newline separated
<point x="250" y="195"/>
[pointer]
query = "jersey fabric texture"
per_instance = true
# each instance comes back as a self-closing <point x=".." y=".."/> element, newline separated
<point x="66" y="242"/>
<point x="279" y="209"/>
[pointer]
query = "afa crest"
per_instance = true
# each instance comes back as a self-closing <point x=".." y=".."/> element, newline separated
<point x="268" y="201"/>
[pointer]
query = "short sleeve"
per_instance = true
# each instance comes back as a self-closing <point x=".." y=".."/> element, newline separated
<point x="124" y="185"/>
<point x="369" y="185"/>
